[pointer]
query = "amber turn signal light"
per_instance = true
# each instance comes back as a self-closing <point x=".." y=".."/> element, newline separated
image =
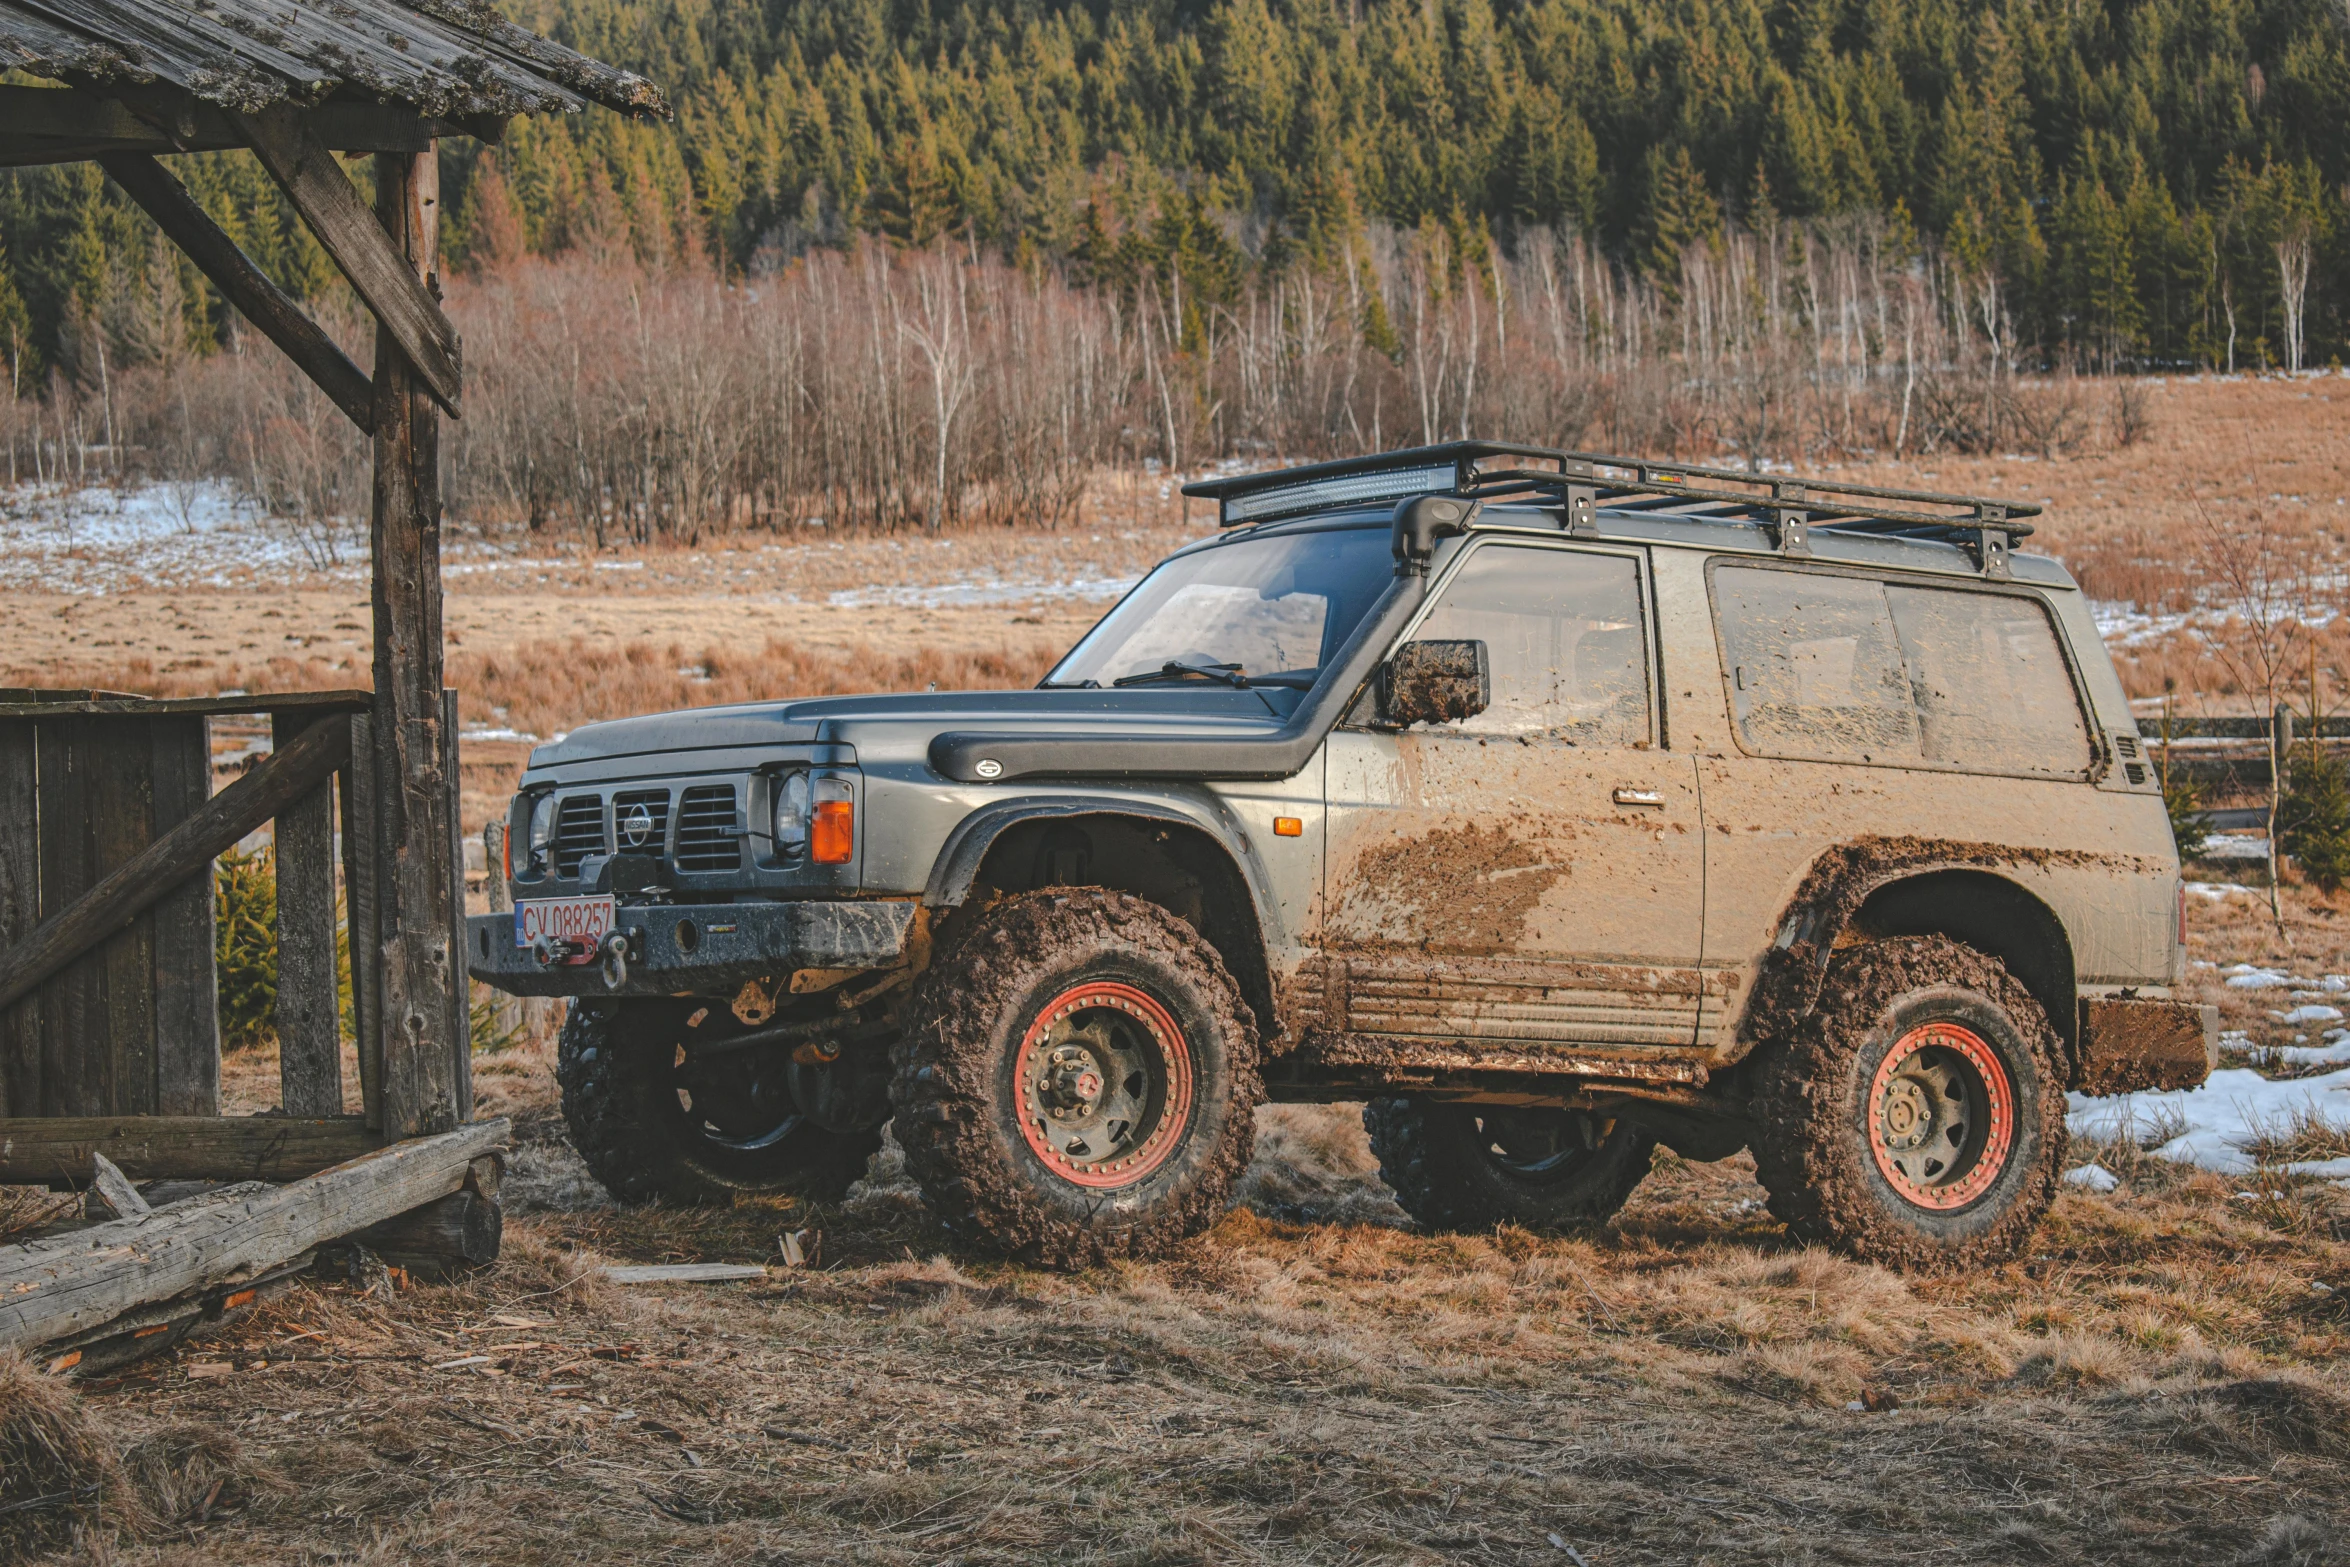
<point x="832" y="834"/>
<point x="1288" y="827"/>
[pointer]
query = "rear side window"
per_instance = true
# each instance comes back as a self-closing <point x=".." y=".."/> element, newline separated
<point x="1992" y="690"/>
<point x="1831" y="668"/>
<point x="1815" y="666"/>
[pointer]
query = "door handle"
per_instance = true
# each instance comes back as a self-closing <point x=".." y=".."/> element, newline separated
<point x="1655" y="797"/>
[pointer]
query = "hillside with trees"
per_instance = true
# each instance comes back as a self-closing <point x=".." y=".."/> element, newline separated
<point x="1298" y="225"/>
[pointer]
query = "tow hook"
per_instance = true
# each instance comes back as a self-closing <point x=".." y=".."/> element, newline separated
<point x="548" y="951"/>
<point x="615" y="962"/>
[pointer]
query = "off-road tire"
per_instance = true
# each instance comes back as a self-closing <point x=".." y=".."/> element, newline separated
<point x="613" y="1062"/>
<point x="959" y="1109"/>
<point x="1432" y="1157"/>
<point x="1812" y="1148"/>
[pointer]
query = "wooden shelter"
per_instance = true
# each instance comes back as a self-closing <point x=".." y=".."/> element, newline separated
<point x="109" y="1049"/>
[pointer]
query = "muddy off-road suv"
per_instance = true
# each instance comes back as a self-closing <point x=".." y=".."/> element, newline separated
<point x="1557" y="806"/>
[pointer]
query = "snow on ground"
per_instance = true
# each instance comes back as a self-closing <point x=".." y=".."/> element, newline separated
<point x="2216" y="1122"/>
<point x="98" y="540"/>
<point x="2234" y="846"/>
<point x="977" y="592"/>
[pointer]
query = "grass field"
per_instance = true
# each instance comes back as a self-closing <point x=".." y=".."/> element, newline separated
<point x="2164" y="1377"/>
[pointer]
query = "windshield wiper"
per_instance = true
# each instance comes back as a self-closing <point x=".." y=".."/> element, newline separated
<point x="1176" y="669"/>
<point x="1069" y="685"/>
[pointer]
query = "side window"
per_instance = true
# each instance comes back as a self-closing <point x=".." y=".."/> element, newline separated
<point x="1990" y="682"/>
<point x="1563" y="633"/>
<point x="1815" y="667"/>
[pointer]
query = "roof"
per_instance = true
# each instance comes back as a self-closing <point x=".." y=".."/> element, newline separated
<point x="444" y="58"/>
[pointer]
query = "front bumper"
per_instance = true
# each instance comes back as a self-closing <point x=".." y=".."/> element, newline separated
<point x="709" y="948"/>
<point x="2133" y="1044"/>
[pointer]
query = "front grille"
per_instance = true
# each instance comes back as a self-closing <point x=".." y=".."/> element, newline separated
<point x="640" y="821"/>
<point x="709" y="833"/>
<point x="579" y="831"/>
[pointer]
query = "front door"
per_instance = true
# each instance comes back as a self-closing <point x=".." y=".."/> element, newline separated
<point x="1533" y="874"/>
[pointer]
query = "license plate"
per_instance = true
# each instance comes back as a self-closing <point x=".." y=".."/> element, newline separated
<point x="583" y="922"/>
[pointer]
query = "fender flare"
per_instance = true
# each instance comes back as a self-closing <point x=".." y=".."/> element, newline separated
<point x="955" y="870"/>
<point x="1842" y="879"/>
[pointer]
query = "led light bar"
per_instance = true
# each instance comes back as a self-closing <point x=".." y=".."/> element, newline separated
<point x="1388" y="484"/>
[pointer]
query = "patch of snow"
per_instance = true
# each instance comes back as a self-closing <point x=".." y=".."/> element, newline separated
<point x="498" y="734"/>
<point x="2215" y="891"/>
<point x="2334" y="1052"/>
<point x="2244" y="976"/>
<point x="2309" y="1014"/>
<point x="2234" y="846"/>
<point x="2322" y="1169"/>
<point x="98" y="540"/>
<point x="2237" y="1107"/>
<point x="2091" y="1177"/>
<point x="977" y="592"/>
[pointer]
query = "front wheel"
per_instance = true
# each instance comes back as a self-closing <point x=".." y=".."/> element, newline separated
<point x="655" y="1121"/>
<point x="1473" y="1167"/>
<point x="1918" y="1119"/>
<point x="1079" y="1081"/>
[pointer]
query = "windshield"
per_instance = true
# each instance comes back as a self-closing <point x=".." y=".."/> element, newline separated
<point x="1266" y="611"/>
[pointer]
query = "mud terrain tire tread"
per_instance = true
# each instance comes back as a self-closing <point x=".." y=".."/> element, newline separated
<point x="944" y="1084"/>
<point x="609" y="1081"/>
<point x="1818" y="1174"/>
<point x="1427" y="1160"/>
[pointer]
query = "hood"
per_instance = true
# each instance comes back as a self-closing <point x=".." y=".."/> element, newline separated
<point x="915" y="716"/>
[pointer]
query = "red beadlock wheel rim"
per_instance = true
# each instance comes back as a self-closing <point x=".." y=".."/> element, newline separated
<point x="1941" y="1116"/>
<point x="1105" y="1083"/>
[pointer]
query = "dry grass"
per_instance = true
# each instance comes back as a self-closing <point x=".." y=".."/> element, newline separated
<point x="2158" y="1382"/>
<point x="58" y="1474"/>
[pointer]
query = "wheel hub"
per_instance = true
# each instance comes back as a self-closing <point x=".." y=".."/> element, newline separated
<point x="1104" y="1078"/>
<point x="1073" y="1083"/>
<point x="1941" y="1116"/>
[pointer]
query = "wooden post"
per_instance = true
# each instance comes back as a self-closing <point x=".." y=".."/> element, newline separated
<point x="309" y="1010"/>
<point x="20" y="911"/>
<point x="361" y="910"/>
<point x="421" y="1091"/>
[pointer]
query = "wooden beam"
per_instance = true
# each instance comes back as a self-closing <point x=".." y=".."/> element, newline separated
<point x="309" y="1011"/>
<point x="64" y="1284"/>
<point x="171" y="859"/>
<point x="421" y="967"/>
<point x="25" y="702"/>
<point x="37" y="1150"/>
<point x="52" y="125"/>
<point x="245" y="285"/>
<point x="383" y="276"/>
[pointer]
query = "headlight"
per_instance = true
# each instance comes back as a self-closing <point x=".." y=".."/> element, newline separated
<point x="542" y="828"/>
<point x="791" y="816"/>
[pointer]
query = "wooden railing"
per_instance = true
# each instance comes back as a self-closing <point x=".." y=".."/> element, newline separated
<point x="109" y="1040"/>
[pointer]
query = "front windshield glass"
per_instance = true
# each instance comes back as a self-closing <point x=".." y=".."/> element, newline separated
<point x="1265" y="611"/>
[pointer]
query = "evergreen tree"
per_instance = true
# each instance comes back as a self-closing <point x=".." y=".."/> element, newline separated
<point x="2313" y="819"/>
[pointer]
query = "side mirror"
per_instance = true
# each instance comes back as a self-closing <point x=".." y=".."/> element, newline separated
<point x="1435" y="683"/>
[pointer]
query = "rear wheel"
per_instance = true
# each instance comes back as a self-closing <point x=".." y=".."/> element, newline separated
<point x="1079" y="1081"/>
<point x="1918" y="1118"/>
<point x="1472" y="1167"/>
<point x="655" y="1119"/>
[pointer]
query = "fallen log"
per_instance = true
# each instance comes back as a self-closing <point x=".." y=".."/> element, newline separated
<point x="441" y="1239"/>
<point x="60" y="1285"/>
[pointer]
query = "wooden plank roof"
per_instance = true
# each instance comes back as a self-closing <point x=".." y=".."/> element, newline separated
<point x="446" y="59"/>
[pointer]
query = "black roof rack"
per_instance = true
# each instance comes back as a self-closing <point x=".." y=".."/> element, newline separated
<point x="1787" y="504"/>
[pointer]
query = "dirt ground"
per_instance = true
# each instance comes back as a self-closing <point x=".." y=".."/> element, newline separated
<point x="2165" y="1377"/>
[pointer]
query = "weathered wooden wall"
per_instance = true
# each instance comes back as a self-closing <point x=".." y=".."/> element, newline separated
<point x="131" y="1028"/>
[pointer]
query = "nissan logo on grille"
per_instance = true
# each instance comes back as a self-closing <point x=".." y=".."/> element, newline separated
<point x="636" y="826"/>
